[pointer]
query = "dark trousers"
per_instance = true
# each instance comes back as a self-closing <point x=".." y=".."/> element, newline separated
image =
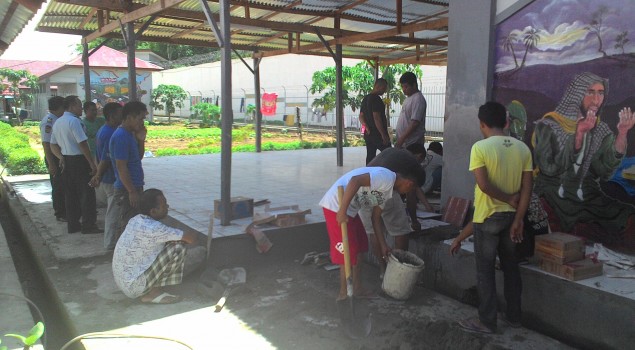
<point x="372" y="146"/>
<point x="79" y="196"/>
<point x="492" y="237"/>
<point x="127" y="212"/>
<point x="57" y="190"/>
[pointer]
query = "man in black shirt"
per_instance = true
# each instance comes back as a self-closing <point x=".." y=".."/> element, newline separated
<point x="373" y="117"/>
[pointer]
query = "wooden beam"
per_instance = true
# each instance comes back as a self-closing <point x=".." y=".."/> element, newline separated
<point x="9" y="15"/>
<point x="114" y="5"/>
<point x="370" y="36"/>
<point x="133" y="16"/>
<point x="100" y="19"/>
<point x="90" y="16"/>
<point x="350" y="6"/>
<point x="399" y="6"/>
<point x="32" y="5"/>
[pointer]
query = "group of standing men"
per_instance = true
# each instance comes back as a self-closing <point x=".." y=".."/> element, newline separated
<point x="83" y="153"/>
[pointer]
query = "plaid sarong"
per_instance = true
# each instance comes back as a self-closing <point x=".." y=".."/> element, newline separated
<point x="167" y="268"/>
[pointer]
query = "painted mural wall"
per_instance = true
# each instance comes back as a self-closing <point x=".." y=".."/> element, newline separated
<point x="566" y="72"/>
<point x="108" y="85"/>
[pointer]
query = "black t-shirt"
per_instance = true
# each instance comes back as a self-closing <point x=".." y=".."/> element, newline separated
<point x="373" y="103"/>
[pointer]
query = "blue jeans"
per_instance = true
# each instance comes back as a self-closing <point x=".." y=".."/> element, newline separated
<point x="490" y="238"/>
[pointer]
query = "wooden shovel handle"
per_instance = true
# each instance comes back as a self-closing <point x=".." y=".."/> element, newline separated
<point x="344" y="228"/>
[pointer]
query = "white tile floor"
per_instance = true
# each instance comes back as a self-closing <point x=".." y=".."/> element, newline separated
<point x="191" y="183"/>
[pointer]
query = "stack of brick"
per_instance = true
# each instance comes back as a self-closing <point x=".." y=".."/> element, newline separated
<point x="563" y="255"/>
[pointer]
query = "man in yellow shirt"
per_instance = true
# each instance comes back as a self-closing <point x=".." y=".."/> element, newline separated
<point x="502" y="166"/>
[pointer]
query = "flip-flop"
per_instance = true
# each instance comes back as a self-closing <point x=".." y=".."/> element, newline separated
<point x="163" y="298"/>
<point x="475" y="325"/>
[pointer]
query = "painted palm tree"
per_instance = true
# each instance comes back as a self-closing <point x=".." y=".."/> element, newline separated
<point x="508" y="45"/>
<point x="530" y="39"/>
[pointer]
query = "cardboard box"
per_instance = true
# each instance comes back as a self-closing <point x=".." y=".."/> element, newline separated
<point x="560" y="242"/>
<point x="573" y="271"/>
<point x="241" y="207"/>
<point x="569" y="256"/>
<point x="283" y="216"/>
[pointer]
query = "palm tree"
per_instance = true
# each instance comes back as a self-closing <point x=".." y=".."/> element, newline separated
<point x="508" y="45"/>
<point x="530" y="39"/>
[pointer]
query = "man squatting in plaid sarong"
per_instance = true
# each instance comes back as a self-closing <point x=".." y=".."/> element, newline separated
<point x="150" y="255"/>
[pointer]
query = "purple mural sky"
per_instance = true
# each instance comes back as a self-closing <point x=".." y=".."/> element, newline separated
<point x="564" y="32"/>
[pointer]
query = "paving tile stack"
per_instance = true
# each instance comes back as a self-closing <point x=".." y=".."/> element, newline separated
<point x="563" y="255"/>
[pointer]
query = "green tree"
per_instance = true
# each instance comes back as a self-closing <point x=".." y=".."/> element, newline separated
<point x="208" y="113"/>
<point x="17" y="78"/>
<point x="168" y="98"/>
<point x="165" y="50"/>
<point x="357" y="82"/>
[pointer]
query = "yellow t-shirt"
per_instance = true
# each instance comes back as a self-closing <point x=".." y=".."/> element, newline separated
<point x="505" y="159"/>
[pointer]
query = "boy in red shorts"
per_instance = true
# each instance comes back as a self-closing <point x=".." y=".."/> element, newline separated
<point x="368" y="187"/>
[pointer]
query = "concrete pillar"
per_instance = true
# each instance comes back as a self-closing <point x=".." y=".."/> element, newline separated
<point x="468" y="86"/>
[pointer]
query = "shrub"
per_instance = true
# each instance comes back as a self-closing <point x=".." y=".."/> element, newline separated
<point x="16" y="154"/>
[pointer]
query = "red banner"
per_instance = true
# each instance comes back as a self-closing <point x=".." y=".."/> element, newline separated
<point x="268" y="106"/>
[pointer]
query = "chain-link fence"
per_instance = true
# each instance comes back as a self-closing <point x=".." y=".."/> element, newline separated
<point x="290" y="99"/>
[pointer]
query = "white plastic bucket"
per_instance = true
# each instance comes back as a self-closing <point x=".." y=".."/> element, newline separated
<point x="401" y="274"/>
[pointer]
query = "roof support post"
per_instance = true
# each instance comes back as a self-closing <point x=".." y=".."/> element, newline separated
<point x="227" y="117"/>
<point x="339" y="108"/>
<point x="86" y="65"/>
<point x="257" y="102"/>
<point x="132" y="69"/>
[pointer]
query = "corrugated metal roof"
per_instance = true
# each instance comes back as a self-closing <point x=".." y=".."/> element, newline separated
<point x="368" y="29"/>
<point x="15" y="16"/>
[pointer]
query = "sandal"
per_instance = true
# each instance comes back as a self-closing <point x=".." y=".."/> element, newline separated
<point x="163" y="298"/>
<point x="475" y="325"/>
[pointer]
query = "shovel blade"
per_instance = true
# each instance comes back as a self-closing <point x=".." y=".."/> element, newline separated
<point x="356" y="318"/>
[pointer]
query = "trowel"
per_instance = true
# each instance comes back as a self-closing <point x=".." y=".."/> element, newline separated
<point x="231" y="278"/>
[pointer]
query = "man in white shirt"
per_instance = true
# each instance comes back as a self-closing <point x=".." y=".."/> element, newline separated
<point x="411" y="125"/>
<point x="150" y="255"/>
<point x="56" y="109"/>
<point x="69" y="144"/>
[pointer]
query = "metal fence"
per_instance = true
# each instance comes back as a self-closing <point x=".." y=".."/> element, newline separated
<point x="289" y="99"/>
<point x="292" y="97"/>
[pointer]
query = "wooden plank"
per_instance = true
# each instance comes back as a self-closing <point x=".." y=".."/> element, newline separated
<point x="32" y="5"/>
<point x="350" y="39"/>
<point x="132" y="16"/>
<point x="90" y="16"/>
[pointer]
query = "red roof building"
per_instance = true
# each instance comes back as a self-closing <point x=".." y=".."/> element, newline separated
<point x="108" y="78"/>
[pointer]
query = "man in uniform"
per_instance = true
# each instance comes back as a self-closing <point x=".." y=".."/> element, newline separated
<point x="56" y="109"/>
<point x="69" y="144"/>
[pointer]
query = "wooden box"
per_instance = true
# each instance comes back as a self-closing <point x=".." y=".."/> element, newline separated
<point x="559" y="242"/>
<point x="241" y="207"/>
<point x="573" y="271"/>
<point x="569" y="256"/>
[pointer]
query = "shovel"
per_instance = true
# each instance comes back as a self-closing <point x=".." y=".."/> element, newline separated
<point x="231" y="278"/>
<point x="356" y="323"/>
